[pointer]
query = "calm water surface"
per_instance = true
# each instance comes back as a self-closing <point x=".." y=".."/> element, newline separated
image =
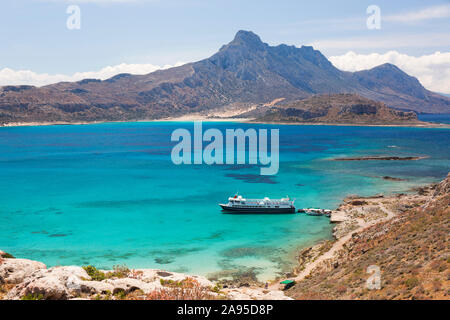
<point x="109" y="194"/>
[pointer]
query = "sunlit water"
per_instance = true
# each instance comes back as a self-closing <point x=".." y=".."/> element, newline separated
<point x="109" y="194"/>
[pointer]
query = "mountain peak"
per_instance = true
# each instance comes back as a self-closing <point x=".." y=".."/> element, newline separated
<point x="387" y="66"/>
<point x="247" y="38"/>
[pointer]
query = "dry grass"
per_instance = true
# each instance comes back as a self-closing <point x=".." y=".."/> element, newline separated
<point x="188" y="289"/>
<point x="412" y="252"/>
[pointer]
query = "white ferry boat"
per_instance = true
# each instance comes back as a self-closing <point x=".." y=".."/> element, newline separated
<point x="238" y="204"/>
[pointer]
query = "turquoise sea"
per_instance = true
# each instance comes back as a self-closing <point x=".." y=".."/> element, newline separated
<point x="108" y="194"/>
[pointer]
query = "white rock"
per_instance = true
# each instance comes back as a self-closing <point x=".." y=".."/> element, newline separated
<point x="256" y="294"/>
<point x="16" y="270"/>
<point x="276" y="295"/>
<point x="53" y="284"/>
<point x="129" y="285"/>
<point x="50" y="287"/>
<point x="338" y="216"/>
<point x="152" y="275"/>
<point x="93" y="287"/>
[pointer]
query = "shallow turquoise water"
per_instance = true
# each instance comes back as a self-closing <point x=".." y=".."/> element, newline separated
<point x="109" y="194"/>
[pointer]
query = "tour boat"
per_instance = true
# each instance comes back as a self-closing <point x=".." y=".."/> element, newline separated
<point x="238" y="204"/>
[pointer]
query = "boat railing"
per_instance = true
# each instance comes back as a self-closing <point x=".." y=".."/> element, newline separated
<point x="272" y="201"/>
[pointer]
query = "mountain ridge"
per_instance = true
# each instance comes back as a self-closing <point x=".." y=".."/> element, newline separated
<point x="244" y="71"/>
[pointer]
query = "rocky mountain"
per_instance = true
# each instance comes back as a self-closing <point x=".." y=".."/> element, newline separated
<point x="244" y="72"/>
<point x="344" y="108"/>
<point x="389" y="84"/>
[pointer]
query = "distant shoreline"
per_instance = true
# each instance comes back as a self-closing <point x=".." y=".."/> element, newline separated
<point x="239" y="120"/>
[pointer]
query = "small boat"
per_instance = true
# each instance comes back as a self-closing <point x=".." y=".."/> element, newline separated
<point x="238" y="204"/>
<point x="287" y="284"/>
<point x="316" y="212"/>
<point x="327" y="212"/>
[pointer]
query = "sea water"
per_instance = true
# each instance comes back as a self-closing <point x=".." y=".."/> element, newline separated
<point x="108" y="194"/>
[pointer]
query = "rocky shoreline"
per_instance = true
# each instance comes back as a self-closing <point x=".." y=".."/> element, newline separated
<point x="406" y="236"/>
<point x="27" y="279"/>
<point x="23" y="279"/>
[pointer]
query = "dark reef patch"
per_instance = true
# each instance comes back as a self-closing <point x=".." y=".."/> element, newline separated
<point x="47" y="210"/>
<point x="164" y="260"/>
<point x="118" y="203"/>
<point x="239" y="166"/>
<point x="181" y="270"/>
<point x="173" y="252"/>
<point x="392" y="178"/>
<point x="59" y="235"/>
<point x="240" y="252"/>
<point x="128" y="203"/>
<point x="212" y="236"/>
<point x="235" y="275"/>
<point x="156" y="151"/>
<point x="252" y="178"/>
<point x="39" y="232"/>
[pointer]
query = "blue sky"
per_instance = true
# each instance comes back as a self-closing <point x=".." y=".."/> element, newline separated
<point x="165" y="32"/>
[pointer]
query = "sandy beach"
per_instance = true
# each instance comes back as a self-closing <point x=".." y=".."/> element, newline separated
<point x="203" y="118"/>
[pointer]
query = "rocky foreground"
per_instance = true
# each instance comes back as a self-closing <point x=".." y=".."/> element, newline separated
<point x="22" y="279"/>
<point x="405" y="236"/>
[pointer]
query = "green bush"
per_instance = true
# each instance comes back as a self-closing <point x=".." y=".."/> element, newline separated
<point x="33" y="296"/>
<point x="96" y="275"/>
<point x="216" y="288"/>
<point x="412" y="282"/>
<point x="120" y="294"/>
<point x="7" y="255"/>
<point x="120" y="271"/>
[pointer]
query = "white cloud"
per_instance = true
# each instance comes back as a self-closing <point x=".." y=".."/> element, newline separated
<point x="20" y="77"/>
<point x="433" y="70"/>
<point x="435" y="12"/>
<point x="385" y="42"/>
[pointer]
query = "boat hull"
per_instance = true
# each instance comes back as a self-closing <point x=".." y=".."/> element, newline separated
<point x="242" y="210"/>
